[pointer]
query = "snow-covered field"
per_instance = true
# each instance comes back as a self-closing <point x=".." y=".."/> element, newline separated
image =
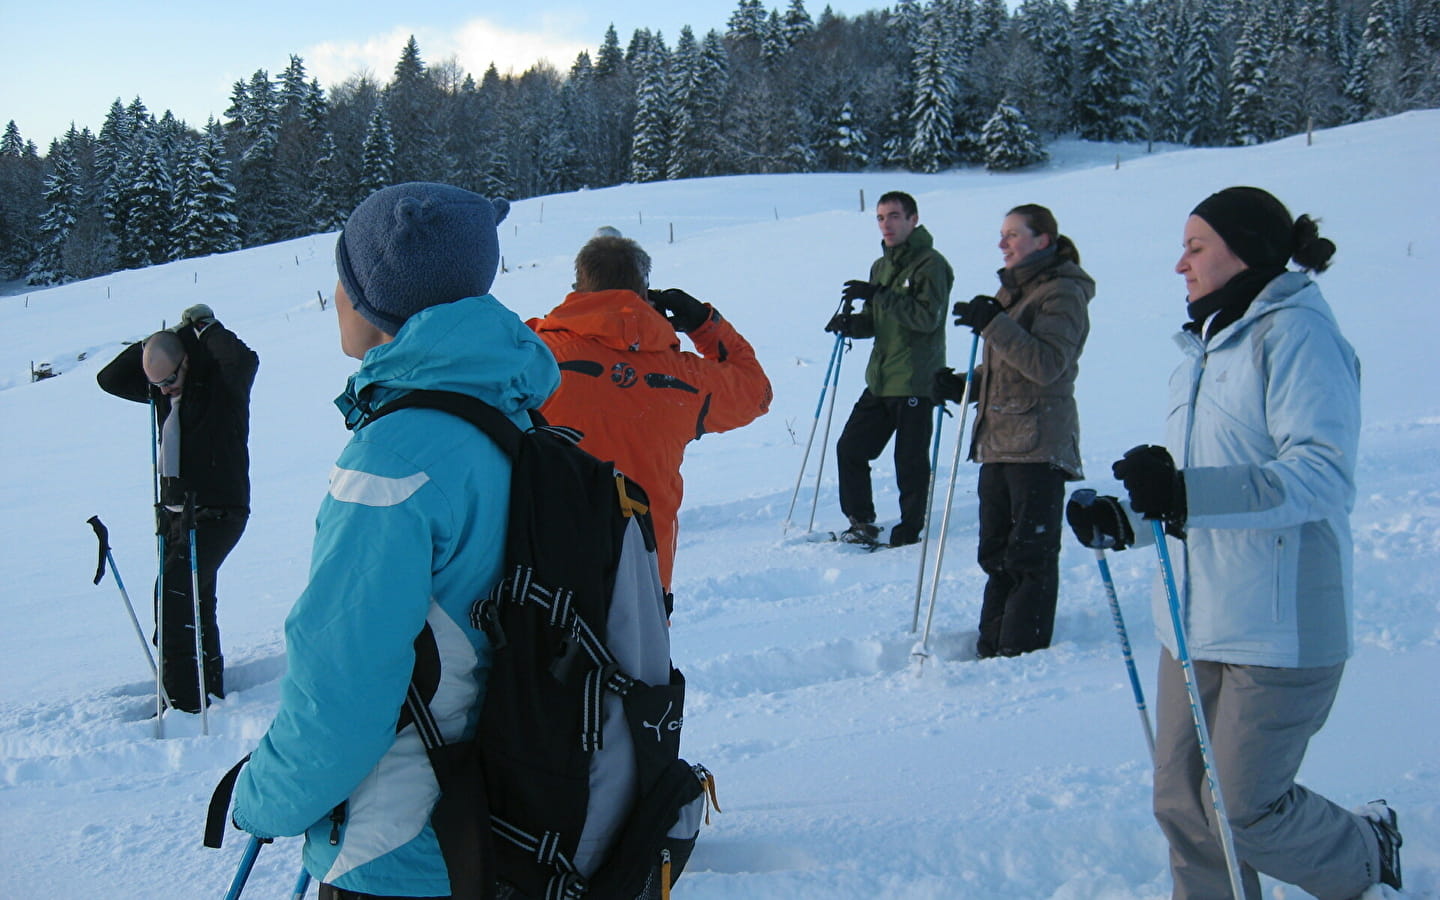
<point x="845" y="771"/>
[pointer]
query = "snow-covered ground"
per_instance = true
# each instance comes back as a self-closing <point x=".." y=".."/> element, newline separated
<point x="845" y="770"/>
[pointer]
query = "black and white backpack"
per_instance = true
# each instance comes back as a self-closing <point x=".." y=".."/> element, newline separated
<point x="573" y="785"/>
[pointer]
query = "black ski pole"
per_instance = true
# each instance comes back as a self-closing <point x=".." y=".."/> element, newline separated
<point x="161" y="695"/>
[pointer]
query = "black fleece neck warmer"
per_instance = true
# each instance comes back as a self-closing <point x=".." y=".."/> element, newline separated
<point x="1229" y="302"/>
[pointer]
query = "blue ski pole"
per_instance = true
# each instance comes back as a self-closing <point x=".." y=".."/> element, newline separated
<point x="102" y="534"/>
<point x="841" y="345"/>
<point x="830" y="372"/>
<point x="242" y="874"/>
<point x="1125" y="650"/>
<point x="1197" y="712"/>
<point x="195" y="610"/>
<point x="302" y="884"/>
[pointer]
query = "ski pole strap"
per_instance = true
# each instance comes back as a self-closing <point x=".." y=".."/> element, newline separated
<point x="220" y="805"/>
<point x="102" y="534"/>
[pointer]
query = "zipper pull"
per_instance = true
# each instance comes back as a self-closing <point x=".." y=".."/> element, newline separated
<point x="664" y="874"/>
<point x="337" y="818"/>
<point x="707" y="788"/>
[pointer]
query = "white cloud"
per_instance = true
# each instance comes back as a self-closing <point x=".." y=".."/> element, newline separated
<point x="476" y="44"/>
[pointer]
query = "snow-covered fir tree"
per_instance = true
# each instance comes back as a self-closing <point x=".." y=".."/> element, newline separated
<point x="932" y="109"/>
<point x="377" y="165"/>
<point x="682" y="154"/>
<point x="1199" y="66"/>
<point x="1108" y="104"/>
<point x="152" y="200"/>
<point x="1009" y="141"/>
<point x="846" y="147"/>
<point x="747" y="22"/>
<point x="796" y="24"/>
<point x="1248" y="119"/>
<point x="208" y="223"/>
<point x="650" y="147"/>
<point x="62" y="205"/>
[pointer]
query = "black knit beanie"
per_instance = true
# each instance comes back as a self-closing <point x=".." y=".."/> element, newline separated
<point x="1252" y="223"/>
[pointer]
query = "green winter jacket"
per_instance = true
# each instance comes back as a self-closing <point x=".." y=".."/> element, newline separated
<point x="906" y="317"/>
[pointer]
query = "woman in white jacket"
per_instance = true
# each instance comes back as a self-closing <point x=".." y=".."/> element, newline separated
<point x="1264" y="422"/>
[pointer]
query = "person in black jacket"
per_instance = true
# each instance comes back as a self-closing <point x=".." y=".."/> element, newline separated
<point x="197" y="376"/>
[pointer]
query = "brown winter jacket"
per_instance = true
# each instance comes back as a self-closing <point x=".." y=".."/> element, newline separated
<point x="1026" y="386"/>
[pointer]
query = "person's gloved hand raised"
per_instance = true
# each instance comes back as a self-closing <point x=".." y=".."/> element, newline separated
<point x="977" y="313"/>
<point x="198" y="316"/>
<point x="684" y="312"/>
<point x="857" y="290"/>
<point x="1098" y="521"/>
<point x="1156" y="487"/>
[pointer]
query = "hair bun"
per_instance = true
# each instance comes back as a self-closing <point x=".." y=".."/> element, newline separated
<point x="1311" y="251"/>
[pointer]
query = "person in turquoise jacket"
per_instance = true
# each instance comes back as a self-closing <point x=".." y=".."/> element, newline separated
<point x="1264" y="425"/>
<point x="411" y="532"/>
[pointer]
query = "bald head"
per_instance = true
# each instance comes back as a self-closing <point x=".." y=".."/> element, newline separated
<point x="163" y="360"/>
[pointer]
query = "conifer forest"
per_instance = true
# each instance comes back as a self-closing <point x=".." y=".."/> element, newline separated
<point x="917" y="86"/>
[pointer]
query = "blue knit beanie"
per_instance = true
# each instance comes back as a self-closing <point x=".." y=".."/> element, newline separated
<point x="411" y="246"/>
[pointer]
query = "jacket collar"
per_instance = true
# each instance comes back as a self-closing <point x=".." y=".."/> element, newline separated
<point x="619" y="319"/>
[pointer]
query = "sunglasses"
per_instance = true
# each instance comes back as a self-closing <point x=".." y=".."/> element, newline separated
<point x="169" y="380"/>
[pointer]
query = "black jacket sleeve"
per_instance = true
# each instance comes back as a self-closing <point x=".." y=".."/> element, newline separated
<point x="124" y="376"/>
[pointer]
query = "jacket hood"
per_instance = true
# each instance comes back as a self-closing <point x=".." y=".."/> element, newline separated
<point x="618" y="319"/>
<point x="473" y="346"/>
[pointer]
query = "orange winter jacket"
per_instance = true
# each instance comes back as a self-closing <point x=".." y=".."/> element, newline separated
<point x="639" y="398"/>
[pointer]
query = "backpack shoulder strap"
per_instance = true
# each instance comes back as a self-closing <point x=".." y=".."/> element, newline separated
<point x="472" y="409"/>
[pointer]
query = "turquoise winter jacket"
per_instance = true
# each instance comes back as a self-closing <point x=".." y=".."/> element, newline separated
<point x="412" y="531"/>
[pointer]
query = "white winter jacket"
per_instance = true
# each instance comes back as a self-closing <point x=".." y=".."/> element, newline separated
<point x="1265" y="421"/>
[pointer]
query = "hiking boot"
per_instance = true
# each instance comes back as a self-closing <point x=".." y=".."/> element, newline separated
<point x="861" y="533"/>
<point x="903" y="535"/>
<point x="1387" y="834"/>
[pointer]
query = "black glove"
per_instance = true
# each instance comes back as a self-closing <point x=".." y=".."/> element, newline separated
<point x="858" y="290"/>
<point x="1099" y="522"/>
<point x="839" y="324"/>
<point x="977" y="313"/>
<point x="1156" y="487"/>
<point x="947" y="384"/>
<point x="683" y="311"/>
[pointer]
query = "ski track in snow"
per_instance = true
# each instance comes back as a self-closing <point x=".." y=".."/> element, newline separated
<point x="847" y="766"/>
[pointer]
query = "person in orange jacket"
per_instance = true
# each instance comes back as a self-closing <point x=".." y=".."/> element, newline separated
<point x="625" y="382"/>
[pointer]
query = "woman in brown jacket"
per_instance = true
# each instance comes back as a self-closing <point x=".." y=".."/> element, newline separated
<point x="1027" y="429"/>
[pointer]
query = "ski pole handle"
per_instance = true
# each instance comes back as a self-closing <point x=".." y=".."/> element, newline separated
<point x="102" y="534"/>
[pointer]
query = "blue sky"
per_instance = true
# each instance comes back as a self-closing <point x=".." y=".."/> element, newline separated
<point x="77" y="56"/>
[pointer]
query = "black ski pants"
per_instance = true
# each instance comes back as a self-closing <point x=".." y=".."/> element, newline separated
<point x="217" y="531"/>
<point x="1020" y="506"/>
<point x="872" y="423"/>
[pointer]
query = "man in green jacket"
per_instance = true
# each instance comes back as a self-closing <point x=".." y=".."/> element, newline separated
<point x="905" y="301"/>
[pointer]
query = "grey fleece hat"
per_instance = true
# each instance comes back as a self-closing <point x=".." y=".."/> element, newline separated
<point x="411" y="246"/>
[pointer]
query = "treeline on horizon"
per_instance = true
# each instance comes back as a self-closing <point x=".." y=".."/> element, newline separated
<point x="920" y="87"/>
